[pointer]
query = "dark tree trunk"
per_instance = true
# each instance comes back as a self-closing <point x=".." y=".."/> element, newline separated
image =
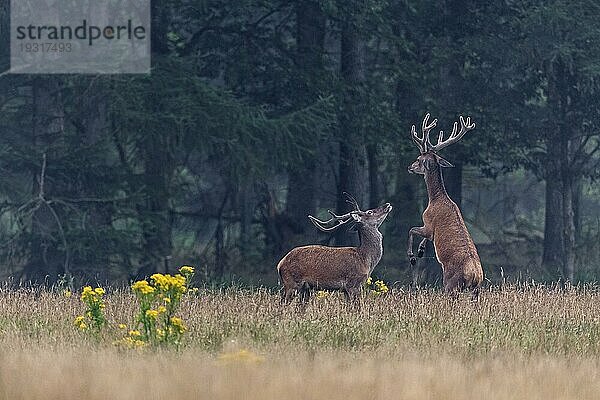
<point x="4" y="36"/>
<point x="374" y="196"/>
<point x="554" y="246"/>
<point x="301" y="201"/>
<point x="156" y="216"/>
<point x="451" y="91"/>
<point x="160" y="27"/>
<point x="219" y="253"/>
<point x="246" y="209"/>
<point x="569" y="229"/>
<point x="48" y="257"/>
<point x="92" y="127"/>
<point x="559" y="229"/>
<point x="353" y="180"/>
<point x="301" y="197"/>
<point x="353" y="154"/>
<point x="453" y="182"/>
<point x="577" y="195"/>
<point x="158" y="163"/>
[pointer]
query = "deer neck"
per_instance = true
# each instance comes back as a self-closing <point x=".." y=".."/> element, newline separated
<point x="371" y="246"/>
<point x="435" y="184"/>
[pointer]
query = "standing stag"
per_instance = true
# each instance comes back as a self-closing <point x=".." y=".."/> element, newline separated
<point x="335" y="268"/>
<point x="443" y="222"/>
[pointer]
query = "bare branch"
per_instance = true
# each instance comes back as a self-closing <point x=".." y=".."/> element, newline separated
<point x="42" y="177"/>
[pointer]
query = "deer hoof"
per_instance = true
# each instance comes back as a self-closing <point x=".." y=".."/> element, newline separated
<point x="413" y="260"/>
<point x="420" y="252"/>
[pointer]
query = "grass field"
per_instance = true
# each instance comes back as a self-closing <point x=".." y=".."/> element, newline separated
<point x="522" y="342"/>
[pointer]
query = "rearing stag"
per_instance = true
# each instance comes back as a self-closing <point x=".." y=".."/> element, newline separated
<point x="335" y="268"/>
<point x="443" y="222"/>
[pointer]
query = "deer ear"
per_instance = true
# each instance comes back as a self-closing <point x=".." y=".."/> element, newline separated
<point x="444" y="163"/>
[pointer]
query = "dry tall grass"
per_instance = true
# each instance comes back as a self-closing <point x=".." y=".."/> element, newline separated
<point x="530" y="342"/>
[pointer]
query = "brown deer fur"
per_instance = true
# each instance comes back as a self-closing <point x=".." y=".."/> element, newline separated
<point x="444" y="225"/>
<point x="335" y="268"/>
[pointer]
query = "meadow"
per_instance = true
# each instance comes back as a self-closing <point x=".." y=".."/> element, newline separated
<point x="524" y="341"/>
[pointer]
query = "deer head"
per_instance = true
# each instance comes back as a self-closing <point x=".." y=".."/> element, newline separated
<point x="369" y="219"/>
<point x="429" y="159"/>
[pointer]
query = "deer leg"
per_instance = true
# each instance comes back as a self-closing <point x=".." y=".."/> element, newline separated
<point x="421" y="250"/>
<point x="421" y="231"/>
<point x="282" y="300"/>
<point x="346" y="294"/>
<point x="286" y="295"/>
<point x="475" y="295"/>
<point x="453" y="285"/>
<point x="304" y="293"/>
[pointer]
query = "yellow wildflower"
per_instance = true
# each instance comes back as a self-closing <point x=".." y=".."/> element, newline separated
<point x="87" y="293"/>
<point x="178" y="325"/>
<point x="322" y="294"/>
<point x="378" y="287"/>
<point x="142" y="287"/>
<point x="179" y="281"/>
<point x="186" y="270"/>
<point x="128" y="342"/>
<point x="160" y="281"/>
<point x="133" y="333"/>
<point x="152" y="314"/>
<point x="67" y="293"/>
<point x="122" y="326"/>
<point x="167" y="282"/>
<point x="381" y="287"/>
<point x="79" y="322"/>
<point x="162" y="309"/>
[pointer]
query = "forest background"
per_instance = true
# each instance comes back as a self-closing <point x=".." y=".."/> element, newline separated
<point x="259" y="112"/>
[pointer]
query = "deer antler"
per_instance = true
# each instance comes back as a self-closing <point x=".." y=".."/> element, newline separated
<point x="351" y="200"/>
<point x="455" y="136"/>
<point x="338" y="219"/>
<point x="423" y="141"/>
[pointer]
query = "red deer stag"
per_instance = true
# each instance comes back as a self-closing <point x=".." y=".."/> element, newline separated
<point x="335" y="268"/>
<point x="443" y="222"/>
